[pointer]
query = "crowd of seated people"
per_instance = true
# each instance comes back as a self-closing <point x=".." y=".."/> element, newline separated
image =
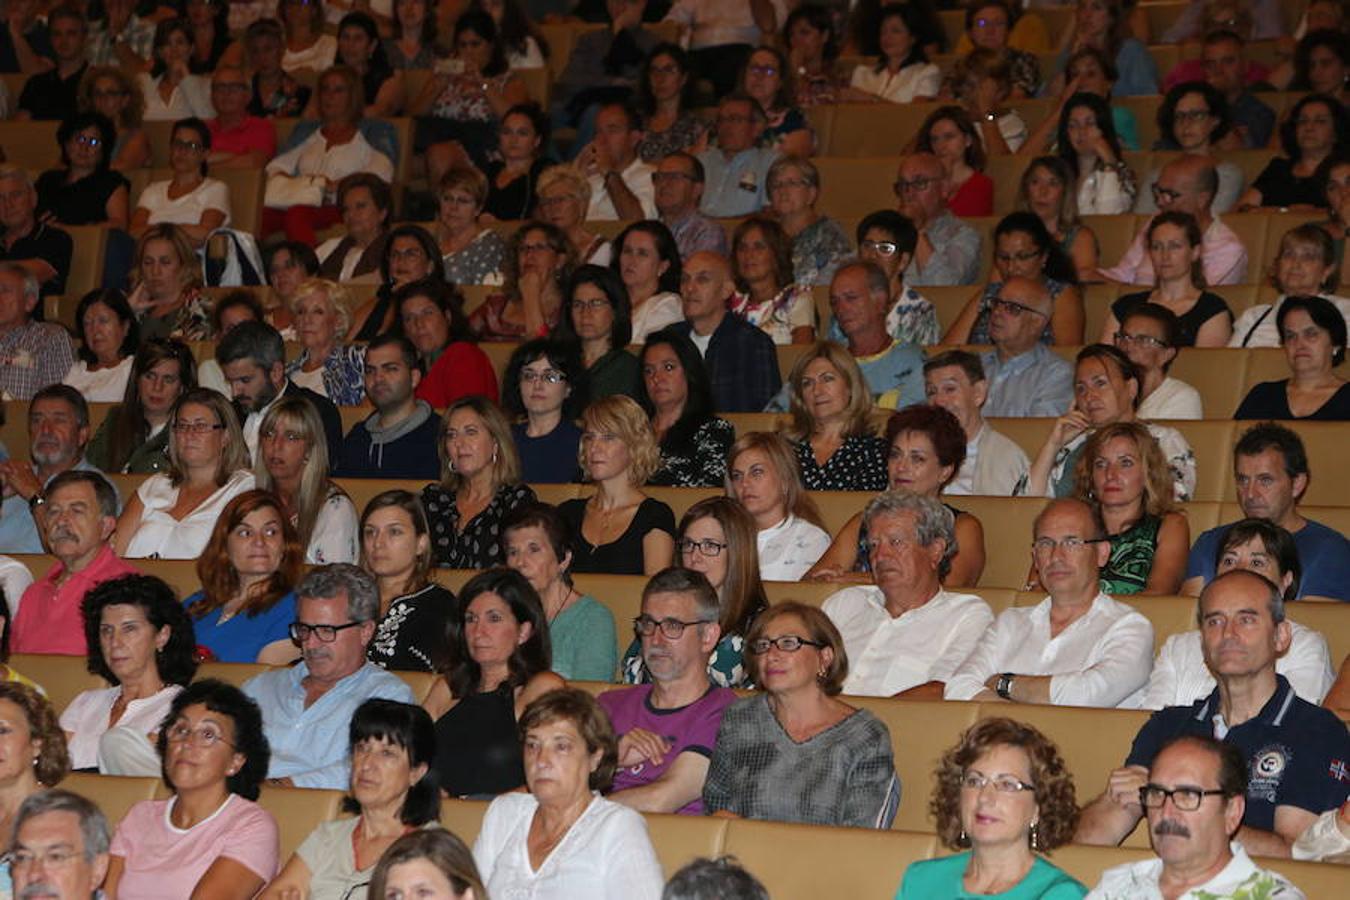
<point x="536" y="319"/>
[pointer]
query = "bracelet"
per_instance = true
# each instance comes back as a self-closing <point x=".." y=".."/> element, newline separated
<point x="1004" y="686"/>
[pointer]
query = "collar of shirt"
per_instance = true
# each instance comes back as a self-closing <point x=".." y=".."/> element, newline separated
<point x="1041" y="616"/>
<point x="1272" y="714"/>
<point x="1019" y="363"/>
<point x="878" y="355"/>
<point x="95" y="572"/>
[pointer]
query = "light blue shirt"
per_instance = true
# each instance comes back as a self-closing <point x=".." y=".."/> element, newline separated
<point x="18" y="531"/>
<point x="1036" y="383"/>
<point x="897" y="371"/>
<point x="309" y="745"/>
<point x="956" y="255"/>
<point x="735" y="187"/>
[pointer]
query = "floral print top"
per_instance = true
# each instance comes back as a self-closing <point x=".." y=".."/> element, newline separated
<point x="726" y="664"/>
<point x="410" y="636"/>
<point x="792" y="307"/>
<point x="477" y="544"/>
<point x="343" y="373"/>
<point x="701" y="462"/>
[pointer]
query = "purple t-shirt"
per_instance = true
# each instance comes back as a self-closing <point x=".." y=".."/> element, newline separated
<point x="689" y="729"/>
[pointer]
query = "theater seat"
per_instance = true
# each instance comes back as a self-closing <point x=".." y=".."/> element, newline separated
<point x="115" y="795"/>
<point x="62" y="677"/>
<point x="298" y="811"/>
<point x="801" y="861"/>
<point x="681" y="839"/>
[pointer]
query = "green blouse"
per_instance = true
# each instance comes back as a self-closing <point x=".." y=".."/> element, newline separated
<point x="583" y="641"/>
<point x="942" y="877"/>
<point x="1127" y="569"/>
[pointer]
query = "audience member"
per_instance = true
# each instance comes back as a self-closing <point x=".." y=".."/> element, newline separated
<point x="33" y="354"/>
<point x="498" y="664"/>
<point x="410" y="254"/>
<point x="599" y="320"/>
<point x="52" y="93"/>
<point x="545" y="392"/>
<point x="112" y="92"/>
<point x="141" y="642"/>
<point x="120" y="37"/>
<point x="767" y="77"/>
<point x="1225" y="69"/>
<point x="664" y="89"/>
<point x="1088" y="140"/>
<point x="1046" y="189"/>
<point x="275" y="94"/>
<point x="42" y="249"/>
<point x="239" y="139"/>
<point x="513" y="175"/>
<point x="737" y="168"/>
<point x="355" y="254"/>
<point x="1313" y="333"/>
<point x="562" y="197"/>
<point x="620" y="181"/>
<point x="763" y="476"/>
<point x="40" y="762"/>
<point x="428" y="860"/>
<point x="676" y="393"/>
<point x="679" y="182"/>
<point x="819" y="244"/>
<point x="994" y="464"/>
<point x="619" y="529"/>
<point x="722" y="36"/>
<point x="172" y="91"/>
<point x="79" y="514"/>
<point x="211" y="834"/>
<point x="1025" y="377"/>
<point x="648" y="261"/>
<point x="1002" y="28"/>
<point x="604" y="64"/>
<point x="429" y="313"/>
<point x="85" y="190"/>
<point x="798" y="659"/>
<point x="105" y="328"/>
<point x="134" y="435"/>
<point x="539" y="260"/>
<point x="1307" y="266"/>
<point x="1104" y="25"/>
<point x="1316" y="129"/>
<point x="1271" y="476"/>
<point x="59" y="819"/>
<point x="1149" y="335"/>
<point x="1194" y="118"/>
<point x="948" y="250"/>
<point x="167" y="286"/>
<point x="888" y="239"/>
<point x="399" y="439"/>
<point x="903" y="73"/>
<point x="812" y="40"/>
<point x="471" y="252"/>
<point x="714" y="879"/>
<point x="949" y="134"/>
<point x="767" y="294"/>
<point x="1321" y="59"/>
<point x="289" y="264"/>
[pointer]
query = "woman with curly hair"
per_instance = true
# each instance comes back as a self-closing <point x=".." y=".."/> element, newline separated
<point x="36" y="757"/>
<point x="141" y="641"/>
<point x="111" y="92"/>
<point x="1005" y="793"/>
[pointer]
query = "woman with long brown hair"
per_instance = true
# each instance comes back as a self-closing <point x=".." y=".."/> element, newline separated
<point x="134" y="437"/>
<point x="762" y="473"/>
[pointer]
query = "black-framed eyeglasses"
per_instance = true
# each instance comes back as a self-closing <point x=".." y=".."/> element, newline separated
<point x="1013" y="308"/>
<point x="1186" y="799"/>
<point x="707" y="546"/>
<point x="300" y="631"/>
<point x="914" y="184"/>
<point x="1142" y="340"/>
<point x="548" y="376"/>
<point x="1004" y="784"/>
<point x="645" y="626"/>
<point x="788" y="643"/>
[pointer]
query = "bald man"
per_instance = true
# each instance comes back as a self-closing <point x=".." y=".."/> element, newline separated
<point x="948" y="250"/>
<point x="1187" y="184"/>
<point x="1025" y="377"/>
<point x="741" y="360"/>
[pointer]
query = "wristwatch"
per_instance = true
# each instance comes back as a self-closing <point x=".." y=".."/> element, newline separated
<point x="36" y="500"/>
<point x="1004" y="686"/>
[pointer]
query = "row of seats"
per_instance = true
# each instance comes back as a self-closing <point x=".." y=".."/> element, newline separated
<point x="795" y="862"/>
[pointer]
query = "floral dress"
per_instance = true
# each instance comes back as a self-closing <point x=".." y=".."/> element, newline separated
<point x="687" y="131"/>
<point x="410" y="636"/>
<point x="700" y="462"/>
<point x="792" y="307"/>
<point x="477" y="545"/>
<point x="726" y="664"/>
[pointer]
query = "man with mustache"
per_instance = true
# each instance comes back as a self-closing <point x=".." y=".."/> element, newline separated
<point x="60" y="849"/>
<point x="1077" y="647"/>
<point x="1194" y="799"/>
<point x="80" y="515"/>
<point x="1296" y="753"/>
<point x="667" y="728"/>
<point x="307" y="708"/>
<point x="905" y="635"/>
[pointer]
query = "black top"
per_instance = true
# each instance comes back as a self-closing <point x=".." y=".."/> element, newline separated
<point x="478" y="750"/>
<point x="624" y="555"/>
<point x="514" y="201"/>
<point x="858" y="465"/>
<point x="47" y="243"/>
<point x="1279" y="186"/>
<point x="411" y="635"/>
<point x="698" y="462"/>
<point x="84" y="202"/>
<point x="1269" y="400"/>
<point x="550" y="458"/>
<point x="478" y="545"/>
<point x="1206" y="307"/>
<point x="48" y="96"/>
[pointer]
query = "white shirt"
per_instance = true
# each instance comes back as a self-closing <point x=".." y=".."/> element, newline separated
<point x="314" y="158"/>
<point x="161" y="536"/>
<point x="14" y="580"/>
<point x="192" y="97"/>
<point x="1098" y="660"/>
<point x="318" y="56"/>
<point x="605" y="855"/>
<point x="1173" y="399"/>
<point x="713" y="23"/>
<point x="656" y="312"/>
<point x="86" y="718"/>
<point x="638" y="178"/>
<point x="187" y="209"/>
<point x="100" y="385"/>
<point x="1180" y="676"/>
<point x="788" y="549"/>
<point x="921" y="79"/>
<point x="887" y="655"/>
<point x="1266" y="334"/>
<point x="349" y="262"/>
<point x="335" y="532"/>
<point x="1241" y="877"/>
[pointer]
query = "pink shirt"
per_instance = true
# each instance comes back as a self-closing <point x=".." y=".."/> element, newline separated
<point x="254" y="133"/>
<point x="49" y="619"/>
<point x="1222" y="255"/>
<point x="164" y="861"/>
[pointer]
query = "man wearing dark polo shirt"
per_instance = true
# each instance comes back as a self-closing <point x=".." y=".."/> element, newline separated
<point x="43" y="250"/>
<point x="1298" y="754"/>
<point x="53" y="94"/>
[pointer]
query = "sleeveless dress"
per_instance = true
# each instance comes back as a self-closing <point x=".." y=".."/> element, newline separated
<point x="478" y="749"/>
<point x="1126" y="570"/>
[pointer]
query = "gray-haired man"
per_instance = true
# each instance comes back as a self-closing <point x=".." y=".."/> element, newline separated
<point x="905" y="635"/>
<point x="306" y="709"/>
<point x="60" y="847"/>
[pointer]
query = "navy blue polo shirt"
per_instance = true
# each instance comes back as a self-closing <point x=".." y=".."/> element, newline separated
<point x="1298" y="754"/>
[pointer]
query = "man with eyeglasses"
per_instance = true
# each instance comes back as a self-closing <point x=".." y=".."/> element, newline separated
<point x="1187" y="184"/>
<point x="905" y="634"/>
<point x="53" y="94"/>
<point x="1026" y="378"/>
<point x="399" y="439"/>
<point x="741" y="359"/>
<point x="1297" y="753"/>
<point x="737" y="169"/>
<point x="679" y="182"/>
<point x="888" y="239"/>
<point x="1194" y="800"/>
<point x="1225" y="69"/>
<point x="947" y="251"/>
<point x="1077" y="647"/>
<point x="238" y="139"/>
<point x="668" y="727"/>
<point x="307" y="708"/>
<point x="60" y="848"/>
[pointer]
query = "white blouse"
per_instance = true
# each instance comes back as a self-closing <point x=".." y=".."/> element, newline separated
<point x="192" y="97"/>
<point x="187" y="209"/>
<point x="335" y="532"/>
<point x="100" y="385"/>
<point x="915" y="79"/>
<point x="658" y="311"/>
<point x="789" y="548"/>
<point x="318" y="56"/>
<point x="86" y="719"/>
<point x="161" y="536"/>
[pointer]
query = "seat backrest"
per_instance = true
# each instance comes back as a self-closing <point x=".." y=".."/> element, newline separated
<point x="1218" y="374"/>
<point x="1329" y="618"/>
<point x="115" y="795"/>
<point x="1086" y="863"/>
<point x="1007" y="525"/>
<point x="231" y="673"/>
<point x="298" y="811"/>
<point x="463" y="818"/>
<point x="62" y="677"/>
<point x="86" y="265"/>
<point x="850" y="185"/>
<point x="679" y="840"/>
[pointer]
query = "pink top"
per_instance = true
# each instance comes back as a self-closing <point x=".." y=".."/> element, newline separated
<point x="49" y="619"/>
<point x="252" y="134"/>
<point x="163" y="861"/>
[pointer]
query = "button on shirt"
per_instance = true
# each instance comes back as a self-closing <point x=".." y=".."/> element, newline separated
<point x="1240" y="878"/>
<point x="735" y="187"/>
<point x="887" y="655"/>
<point x="49" y="618"/>
<point x="1035" y="383"/>
<point x="1098" y="660"/>
<point x="309" y="744"/>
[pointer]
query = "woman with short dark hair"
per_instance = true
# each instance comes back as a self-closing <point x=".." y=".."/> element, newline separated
<point x="1194" y="118"/>
<point x="545" y="393"/>
<point x="1315" y="130"/>
<point x="108" y="336"/>
<point x="366" y="203"/>
<point x="429" y="312"/>
<point x="86" y="191"/>
<point x="677" y="394"/>
<point x="1313" y="334"/>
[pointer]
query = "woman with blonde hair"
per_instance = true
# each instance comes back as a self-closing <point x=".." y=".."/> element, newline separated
<point x="619" y="529"/>
<point x="167" y="297"/>
<point x="172" y="514"/>
<point x="110" y="91"/>
<point x="326" y="365"/>
<point x="562" y="197"/>
<point x="480" y="484"/>
<point x="762" y="473"/>
<point x="819" y="244"/>
<point x="244" y="611"/>
<point x="831" y="430"/>
<point x="1123" y="475"/>
<point x="39" y="759"/>
<point x="292" y="462"/>
<point x="470" y="252"/>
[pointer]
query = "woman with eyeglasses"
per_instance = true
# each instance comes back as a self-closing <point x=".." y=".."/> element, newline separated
<point x="244" y="611"/>
<point x="663" y="100"/>
<point x="1194" y="118"/>
<point x="499" y="662"/>
<point x="598" y="320"/>
<point x="141" y="642"/>
<point x="796" y="723"/>
<point x="767" y="292"/>
<point x="1313" y="333"/>
<point x="1175" y="245"/>
<point x="545" y="394"/>
<point x="109" y="91"/>
<point x="1046" y="190"/>
<point x="196" y="204"/>
<point x="562" y="197"/>
<point x="677" y="394"/>
<point x="1003" y="797"/>
<point x="430" y="313"/>
<point x="326" y="365"/>
<point x="410" y="254"/>
<point x="718" y="539"/>
<point x="619" y="529"/>
<point x="210" y="838"/>
<point x="819" y="244"/>
<point x="763" y="476"/>
<point x="1148" y="336"/>
<point x="86" y="190"/>
<point x="480" y="484"/>
<point x="172" y="514"/>
<point x="537" y="543"/>
<point x="1315" y="130"/>
<point x="538" y="263"/>
<point x="1023" y="248"/>
<point x="887" y="238"/>
<point x="471" y="253"/>
<point x="768" y="77"/>
<point x="1307" y="266"/>
<point x="392" y="792"/>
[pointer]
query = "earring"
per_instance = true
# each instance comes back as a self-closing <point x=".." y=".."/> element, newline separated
<point x="961" y="839"/>
<point x="1035" y="837"/>
<point x="494" y="454"/>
